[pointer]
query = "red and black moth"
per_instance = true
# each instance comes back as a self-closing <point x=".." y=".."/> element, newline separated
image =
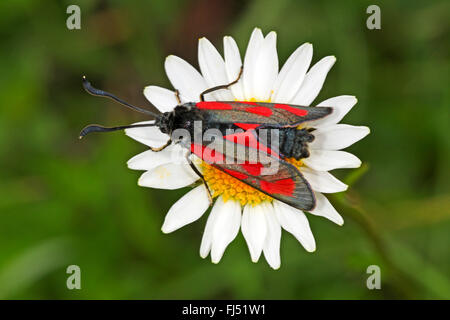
<point x="287" y="184"/>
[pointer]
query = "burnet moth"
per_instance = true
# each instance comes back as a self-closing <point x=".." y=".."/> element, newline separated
<point x="247" y="121"/>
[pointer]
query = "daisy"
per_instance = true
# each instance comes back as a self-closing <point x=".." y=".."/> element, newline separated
<point x="237" y="206"/>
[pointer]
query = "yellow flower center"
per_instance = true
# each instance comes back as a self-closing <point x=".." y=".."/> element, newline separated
<point x="222" y="184"/>
<point x="295" y="162"/>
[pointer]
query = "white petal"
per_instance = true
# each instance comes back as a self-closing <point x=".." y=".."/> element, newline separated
<point x="187" y="209"/>
<point x="213" y="69"/>
<point x="162" y="98"/>
<point x="254" y="229"/>
<point x="295" y="222"/>
<point x="325" y="209"/>
<point x="272" y="244"/>
<point x="338" y="136"/>
<point x="233" y="64"/>
<point x="313" y="82"/>
<point x="148" y="160"/>
<point x="150" y="136"/>
<point x="253" y="48"/>
<point x="265" y="68"/>
<point x="341" y="106"/>
<point x="292" y="74"/>
<point x="205" y="246"/>
<point x="326" y="160"/>
<point x="225" y="228"/>
<point x="323" y="181"/>
<point x="168" y="176"/>
<point x="185" y="78"/>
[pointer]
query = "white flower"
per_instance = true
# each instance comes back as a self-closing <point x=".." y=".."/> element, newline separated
<point x="260" y="222"/>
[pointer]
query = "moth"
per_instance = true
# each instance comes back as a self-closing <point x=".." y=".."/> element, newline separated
<point x="247" y="120"/>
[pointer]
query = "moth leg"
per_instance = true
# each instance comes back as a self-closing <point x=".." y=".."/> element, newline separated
<point x="177" y="95"/>
<point x="201" y="177"/>
<point x="162" y="147"/>
<point x="224" y="86"/>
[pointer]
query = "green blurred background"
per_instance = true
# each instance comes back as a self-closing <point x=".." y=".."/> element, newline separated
<point x="65" y="202"/>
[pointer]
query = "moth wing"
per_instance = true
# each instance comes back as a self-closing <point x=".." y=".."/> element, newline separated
<point x="267" y="173"/>
<point x="250" y="115"/>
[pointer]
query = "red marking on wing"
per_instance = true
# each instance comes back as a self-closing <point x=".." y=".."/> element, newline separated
<point x="285" y="187"/>
<point x="248" y="139"/>
<point x="213" y="105"/>
<point x="298" y="112"/>
<point x="236" y="174"/>
<point x="252" y="168"/>
<point x="247" y="126"/>
<point x="207" y="154"/>
<point x="245" y="138"/>
<point x="262" y="111"/>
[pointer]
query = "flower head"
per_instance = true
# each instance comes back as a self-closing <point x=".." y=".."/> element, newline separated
<point x="237" y="205"/>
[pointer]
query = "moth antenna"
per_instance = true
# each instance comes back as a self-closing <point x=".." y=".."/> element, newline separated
<point x="98" y="128"/>
<point x="100" y="93"/>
